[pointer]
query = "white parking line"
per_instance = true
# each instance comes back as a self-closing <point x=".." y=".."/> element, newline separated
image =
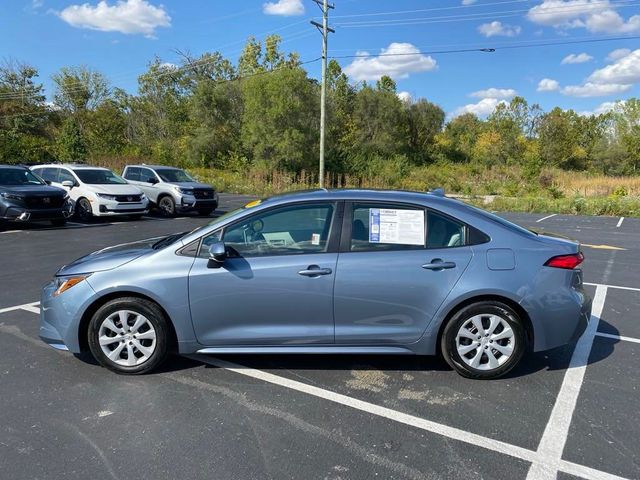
<point x="620" y="222"/>
<point x="30" y="307"/>
<point x="537" y="458"/>
<point x="618" y="337"/>
<point x="545" y="218"/>
<point x="633" y="289"/>
<point x="555" y="434"/>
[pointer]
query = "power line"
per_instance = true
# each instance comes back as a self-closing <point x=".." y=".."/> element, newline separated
<point x="422" y="10"/>
<point x="488" y="49"/>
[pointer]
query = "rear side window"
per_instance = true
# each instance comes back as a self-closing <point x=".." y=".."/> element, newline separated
<point x="132" y="173"/>
<point x="444" y="232"/>
<point x="380" y="227"/>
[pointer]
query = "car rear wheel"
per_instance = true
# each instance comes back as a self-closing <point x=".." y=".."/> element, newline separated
<point x="484" y="340"/>
<point x="129" y="336"/>
<point x="167" y="206"/>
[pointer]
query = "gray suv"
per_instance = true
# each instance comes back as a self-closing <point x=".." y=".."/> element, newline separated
<point x="172" y="189"/>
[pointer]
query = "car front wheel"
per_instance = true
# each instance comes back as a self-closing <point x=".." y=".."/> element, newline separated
<point x="167" y="206"/>
<point x="129" y="336"/>
<point x="484" y="340"/>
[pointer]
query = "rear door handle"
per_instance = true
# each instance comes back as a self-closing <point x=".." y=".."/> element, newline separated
<point x="437" y="264"/>
<point x="315" y="271"/>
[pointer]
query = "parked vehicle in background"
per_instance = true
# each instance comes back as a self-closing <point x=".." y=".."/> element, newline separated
<point x="26" y="197"/>
<point x="342" y="271"/>
<point x="172" y="189"/>
<point x="96" y="191"/>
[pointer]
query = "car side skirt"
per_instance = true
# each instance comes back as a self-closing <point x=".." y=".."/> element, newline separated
<point x="314" y="350"/>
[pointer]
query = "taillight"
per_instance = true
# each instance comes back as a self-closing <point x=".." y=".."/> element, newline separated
<point x="566" y="261"/>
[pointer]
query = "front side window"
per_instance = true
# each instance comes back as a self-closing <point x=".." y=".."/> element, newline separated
<point x="147" y="175"/>
<point x="172" y="175"/>
<point x="444" y="232"/>
<point x="49" y="174"/>
<point x="65" y="175"/>
<point x="378" y="227"/>
<point x="290" y="230"/>
<point x="98" y="176"/>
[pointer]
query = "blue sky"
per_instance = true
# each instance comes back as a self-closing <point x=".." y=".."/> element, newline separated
<point x="119" y="38"/>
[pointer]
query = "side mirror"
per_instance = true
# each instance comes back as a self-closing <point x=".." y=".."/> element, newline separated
<point x="152" y="180"/>
<point x="48" y="182"/>
<point x="217" y="254"/>
<point x="68" y="184"/>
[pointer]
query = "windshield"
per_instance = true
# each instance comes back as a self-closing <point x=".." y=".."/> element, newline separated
<point x="173" y="175"/>
<point x="99" y="177"/>
<point x="17" y="176"/>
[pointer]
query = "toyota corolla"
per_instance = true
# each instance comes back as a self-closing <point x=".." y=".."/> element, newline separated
<point x="326" y="272"/>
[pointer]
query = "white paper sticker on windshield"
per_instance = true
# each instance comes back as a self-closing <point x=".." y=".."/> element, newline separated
<point x="315" y="239"/>
<point x="405" y="227"/>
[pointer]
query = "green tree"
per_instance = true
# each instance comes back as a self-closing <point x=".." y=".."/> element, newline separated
<point x="71" y="144"/>
<point x="425" y="121"/>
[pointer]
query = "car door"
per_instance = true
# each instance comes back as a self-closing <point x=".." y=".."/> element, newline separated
<point x="64" y="175"/>
<point x="276" y="286"/>
<point x="147" y="183"/>
<point x="393" y="272"/>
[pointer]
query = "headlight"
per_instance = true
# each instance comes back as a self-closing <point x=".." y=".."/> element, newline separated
<point x="106" y="196"/>
<point x="185" y="191"/>
<point x="12" y="196"/>
<point x="143" y="197"/>
<point x="65" y="283"/>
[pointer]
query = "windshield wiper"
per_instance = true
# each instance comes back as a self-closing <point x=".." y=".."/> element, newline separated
<point x="168" y="240"/>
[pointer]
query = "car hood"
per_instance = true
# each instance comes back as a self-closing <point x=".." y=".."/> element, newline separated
<point x="109" y="258"/>
<point x="115" y="189"/>
<point x="192" y="185"/>
<point x="25" y="190"/>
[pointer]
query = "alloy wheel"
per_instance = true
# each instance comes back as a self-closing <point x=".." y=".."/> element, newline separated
<point x="485" y="342"/>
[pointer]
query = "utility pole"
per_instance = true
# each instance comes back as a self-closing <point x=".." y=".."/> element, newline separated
<point x="324" y="30"/>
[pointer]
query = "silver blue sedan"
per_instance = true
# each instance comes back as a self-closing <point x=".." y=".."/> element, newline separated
<point x="326" y="272"/>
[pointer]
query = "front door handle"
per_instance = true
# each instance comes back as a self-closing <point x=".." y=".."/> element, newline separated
<point x="315" y="271"/>
<point x="438" y="264"/>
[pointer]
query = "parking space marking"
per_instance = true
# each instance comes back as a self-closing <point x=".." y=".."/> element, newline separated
<point x="29" y="307"/>
<point x="547" y="217"/>
<point x="620" y="222"/>
<point x="555" y="435"/>
<point x="618" y="337"/>
<point x="619" y="287"/>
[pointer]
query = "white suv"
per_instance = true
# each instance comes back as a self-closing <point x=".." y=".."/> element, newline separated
<point x="95" y="190"/>
<point x="171" y="189"/>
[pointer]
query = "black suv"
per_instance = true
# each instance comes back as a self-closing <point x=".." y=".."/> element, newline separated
<point x="25" y="197"/>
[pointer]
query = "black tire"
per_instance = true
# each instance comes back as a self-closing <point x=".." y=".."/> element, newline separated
<point x="205" y="212"/>
<point x="153" y="314"/>
<point x="167" y="206"/>
<point x="59" y="222"/>
<point x="448" y="342"/>
<point x="83" y="210"/>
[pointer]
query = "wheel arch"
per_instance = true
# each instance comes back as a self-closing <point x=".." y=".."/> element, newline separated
<point x="515" y="306"/>
<point x="83" y="327"/>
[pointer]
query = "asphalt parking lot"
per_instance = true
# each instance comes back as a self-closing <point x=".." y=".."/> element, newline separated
<point x="325" y="417"/>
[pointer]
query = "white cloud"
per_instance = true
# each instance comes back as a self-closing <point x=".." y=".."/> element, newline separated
<point x="409" y="60"/>
<point x="548" y="85"/>
<point x="125" y="16"/>
<point x="597" y="16"/>
<point x="576" y="58"/>
<point x="496" y="28"/>
<point x="590" y="89"/>
<point x="405" y="97"/>
<point x="605" y="107"/>
<point x="468" y="2"/>
<point x="618" y="53"/>
<point x="495" y="93"/>
<point x="285" y="8"/>
<point x="483" y="108"/>
<point x="624" y="70"/>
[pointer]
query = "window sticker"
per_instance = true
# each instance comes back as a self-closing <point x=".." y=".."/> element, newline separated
<point x="315" y="239"/>
<point x="405" y="227"/>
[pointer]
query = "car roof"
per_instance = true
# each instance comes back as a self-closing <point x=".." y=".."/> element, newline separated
<point x="74" y="166"/>
<point x="353" y="194"/>
<point x="154" y="167"/>
<point x="18" y="167"/>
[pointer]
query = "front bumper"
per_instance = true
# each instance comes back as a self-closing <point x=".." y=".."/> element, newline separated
<point x="60" y="316"/>
<point x="23" y="214"/>
<point x="106" y="208"/>
<point x="189" y="202"/>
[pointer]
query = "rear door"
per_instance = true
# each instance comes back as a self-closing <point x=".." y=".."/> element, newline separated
<point x="397" y="264"/>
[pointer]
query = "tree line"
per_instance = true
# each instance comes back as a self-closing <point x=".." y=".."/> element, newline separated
<point x="263" y="112"/>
